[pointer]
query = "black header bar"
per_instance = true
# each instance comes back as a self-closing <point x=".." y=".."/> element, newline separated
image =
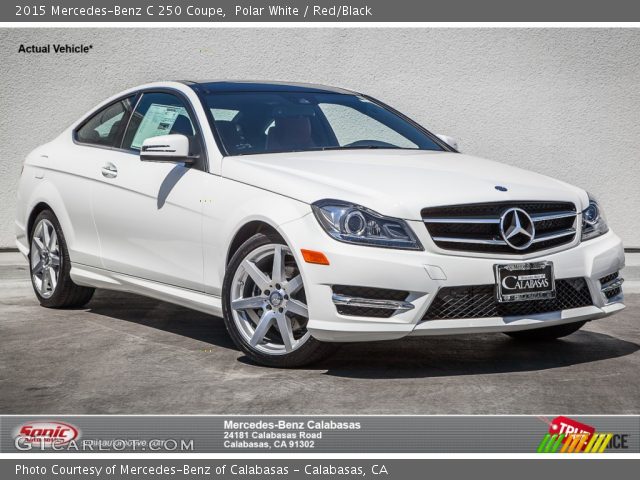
<point x="217" y="11"/>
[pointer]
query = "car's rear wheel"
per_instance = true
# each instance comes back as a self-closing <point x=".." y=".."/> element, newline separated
<point x="265" y="307"/>
<point x="49" y="266"/>
<point x="546" y="333"/>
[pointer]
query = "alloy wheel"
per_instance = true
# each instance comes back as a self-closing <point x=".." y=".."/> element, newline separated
<point x="46" y="260"/>
<point x="268" y="303"/>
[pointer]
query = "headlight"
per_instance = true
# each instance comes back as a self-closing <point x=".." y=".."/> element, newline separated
<point x="593" y="222"/>
<point x="351" y="223"/>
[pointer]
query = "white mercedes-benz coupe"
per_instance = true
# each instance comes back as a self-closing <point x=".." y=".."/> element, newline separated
<point x="308" y="215"/>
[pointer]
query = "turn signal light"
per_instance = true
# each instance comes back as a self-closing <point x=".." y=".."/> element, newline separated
<point x="311" y="256"/>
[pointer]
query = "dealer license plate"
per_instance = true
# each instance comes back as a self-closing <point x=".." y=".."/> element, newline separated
<point x="518" y="282"/>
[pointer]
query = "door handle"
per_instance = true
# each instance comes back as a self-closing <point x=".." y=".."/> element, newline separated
<point x="109" y="170"/>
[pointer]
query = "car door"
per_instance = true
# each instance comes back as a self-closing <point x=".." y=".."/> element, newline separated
<point x="149" y="214"/>
<point x="75" y="169"/>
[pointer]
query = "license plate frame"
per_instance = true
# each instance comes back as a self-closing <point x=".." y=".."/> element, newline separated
<point x="532" y="274"/>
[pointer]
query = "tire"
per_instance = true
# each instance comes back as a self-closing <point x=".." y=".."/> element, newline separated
<point x="271" y="301"/>
<point x="49" y="266"/>
<point x="546" y="333"/>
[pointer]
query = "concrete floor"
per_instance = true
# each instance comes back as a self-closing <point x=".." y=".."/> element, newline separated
<point x="129" y="354"/>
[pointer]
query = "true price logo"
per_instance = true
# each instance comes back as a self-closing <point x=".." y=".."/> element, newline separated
<point x="569" y="427"/>
<point x="568" y="436"/>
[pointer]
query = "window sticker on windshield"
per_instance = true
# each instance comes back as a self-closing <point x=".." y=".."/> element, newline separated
<point x="158" y="120"/>
<point x="223" y="114"/>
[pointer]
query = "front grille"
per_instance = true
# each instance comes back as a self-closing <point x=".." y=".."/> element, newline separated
<point x="368" y="292"/>
<point x="610" y="292"/>
<point x="476" y="227"/>
<point x="480" y="301"/>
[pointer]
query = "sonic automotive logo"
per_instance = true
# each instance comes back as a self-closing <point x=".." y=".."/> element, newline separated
<point x="52" y="435"/>
<point x="569" y="436"/>
<point x="44" y="434"/>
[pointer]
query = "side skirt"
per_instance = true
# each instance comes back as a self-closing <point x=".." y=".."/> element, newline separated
<point x="96" y="277"/>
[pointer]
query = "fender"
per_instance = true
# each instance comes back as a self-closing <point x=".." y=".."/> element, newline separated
<point x="46" y="192"/>
<point x="41" y="184"/>
<point x="222" y="220"/>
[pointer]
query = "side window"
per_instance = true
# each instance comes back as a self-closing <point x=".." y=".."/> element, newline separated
<point x="158" y="114"/>
<point x="105" y="127"/>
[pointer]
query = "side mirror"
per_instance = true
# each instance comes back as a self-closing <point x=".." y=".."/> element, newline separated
<point x="166" y="148"/>
<point x="452" y="142"/>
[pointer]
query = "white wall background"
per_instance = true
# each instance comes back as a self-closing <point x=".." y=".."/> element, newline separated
<point x="565" y="102"/>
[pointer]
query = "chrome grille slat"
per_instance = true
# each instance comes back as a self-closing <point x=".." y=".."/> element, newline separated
<point x="476" y="227"/>
<point x="540" y="217"/>
<point x="461" y="220"/>
<point x="482" y="241"/>
<point x="553" y="236"/>
<point x="614" y="285"/>
<point x="536" y="218"/>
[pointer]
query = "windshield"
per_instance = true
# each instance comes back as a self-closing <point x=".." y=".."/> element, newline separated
<point x="267" y="122"/>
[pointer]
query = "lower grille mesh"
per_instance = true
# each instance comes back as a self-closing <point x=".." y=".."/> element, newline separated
<point x="479" y="301"/>
<point x="364" y="311"/>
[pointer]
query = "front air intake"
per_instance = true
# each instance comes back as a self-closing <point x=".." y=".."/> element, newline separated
<point x="369" y="301"/>
<point x="480" y="301"/>
<point x="611" y="285"/>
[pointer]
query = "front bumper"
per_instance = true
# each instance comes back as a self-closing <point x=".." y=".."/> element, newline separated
<point x="424" y="273"/>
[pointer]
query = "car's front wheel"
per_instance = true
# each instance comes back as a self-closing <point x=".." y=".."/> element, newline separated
<point x="50" y="266"/>
<point x="546" y="333"/>
<point x="265" y="306"/>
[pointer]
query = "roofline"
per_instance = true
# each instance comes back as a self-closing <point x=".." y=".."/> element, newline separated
<point x="269" y="86"/>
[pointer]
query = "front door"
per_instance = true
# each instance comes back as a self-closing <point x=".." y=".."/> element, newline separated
<point x="149" y="214"/>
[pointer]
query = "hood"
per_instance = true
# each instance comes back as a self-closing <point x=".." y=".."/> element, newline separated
<point x="395" y="183"/>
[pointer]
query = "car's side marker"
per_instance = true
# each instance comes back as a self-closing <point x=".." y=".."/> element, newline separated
<point x="311" y="256"/>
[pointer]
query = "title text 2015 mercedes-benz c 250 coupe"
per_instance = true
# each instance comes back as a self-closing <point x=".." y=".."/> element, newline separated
<point x="308" y="215"/>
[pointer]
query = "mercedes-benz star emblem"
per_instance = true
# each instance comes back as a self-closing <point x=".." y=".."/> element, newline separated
<point x="517" y="229"/>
